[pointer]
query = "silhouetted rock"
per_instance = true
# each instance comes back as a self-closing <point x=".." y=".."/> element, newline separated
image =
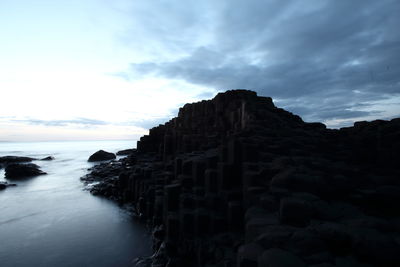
<point x="15" y="170"/>
<point x="295" y="211"/>
<point x="48" y="158"/>
<point x="279" y="258"/>
<point x="14" y="159"/>
<point x="4" y="185"/>
<point x="101" y="155"/>
<point x="236" y="181"/>
<point x="125" y="152"/>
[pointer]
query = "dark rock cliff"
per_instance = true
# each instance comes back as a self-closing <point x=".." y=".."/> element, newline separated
<point x="236" y="181"/>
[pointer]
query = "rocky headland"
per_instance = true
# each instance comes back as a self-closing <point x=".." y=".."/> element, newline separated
<point x="236" y="181"/>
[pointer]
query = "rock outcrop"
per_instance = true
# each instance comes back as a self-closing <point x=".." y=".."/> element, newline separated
<point x="14" y="159"/>
<point x="17" y="170"/>
<point x="4" y="185"/>
<point x="236" y="181"/>
<point x="48" y="158"/>
<point x="101" y="155"/>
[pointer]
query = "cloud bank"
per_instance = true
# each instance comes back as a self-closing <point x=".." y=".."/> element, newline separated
<point x="111" y="68"/>
<point x="325" y="60"/>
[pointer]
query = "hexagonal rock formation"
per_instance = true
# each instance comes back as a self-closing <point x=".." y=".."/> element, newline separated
<point x="236" y="181"/>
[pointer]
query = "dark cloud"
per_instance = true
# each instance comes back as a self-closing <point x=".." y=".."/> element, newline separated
<point x="325" y="59"/>
<point x="332" y="113"/>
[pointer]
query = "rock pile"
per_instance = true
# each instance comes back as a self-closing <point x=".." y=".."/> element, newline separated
<point x="236" y="181"/>
<point x="18" y="167"/>
<point x="20" y="170"/>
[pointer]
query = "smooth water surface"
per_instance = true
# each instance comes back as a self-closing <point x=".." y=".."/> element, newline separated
<point x="50" y="220"/>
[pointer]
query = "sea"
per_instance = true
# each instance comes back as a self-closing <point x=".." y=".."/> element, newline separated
<point x="51" y="220"/>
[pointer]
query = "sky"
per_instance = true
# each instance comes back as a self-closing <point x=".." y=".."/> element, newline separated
<point x="100" y="69"/>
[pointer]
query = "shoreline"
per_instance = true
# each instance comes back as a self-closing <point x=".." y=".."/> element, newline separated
<point x="235" y="180"/>
<point x="68" y="226"/>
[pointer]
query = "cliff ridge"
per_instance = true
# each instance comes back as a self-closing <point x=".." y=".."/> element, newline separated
<point x="237" y="181"/>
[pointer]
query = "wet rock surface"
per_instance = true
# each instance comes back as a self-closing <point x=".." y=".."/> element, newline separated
<point x="19" y="170"/>
<point x="101" y="155"/>
<point x="236" y="181"/>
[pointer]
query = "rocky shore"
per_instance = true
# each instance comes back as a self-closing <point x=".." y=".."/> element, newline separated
<point x="236" y="181"/>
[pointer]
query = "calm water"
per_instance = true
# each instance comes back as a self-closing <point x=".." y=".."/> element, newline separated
<point x="50" y="220"/>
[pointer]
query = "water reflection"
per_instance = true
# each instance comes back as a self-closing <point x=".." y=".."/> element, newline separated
<point x="50" y="221"/>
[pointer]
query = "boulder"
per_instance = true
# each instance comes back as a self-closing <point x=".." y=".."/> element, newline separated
<point x="306" y="243"/>
<point x="379" y="224"/>
<point x="350" y="262"/>
<point x="101" y="155"/>
<point x="274" y="236"/>
<point x="48" y="158"/>
<point x="320" y="258"/>
<point x="295" y="211"/>
<point x="336" y="236"/>
<point x="279" y="258"/>
<point x="248" y="254"/>
<point x="375" y="247"/>
<point x="15" y="170"/>
<point x="259" y="225"/>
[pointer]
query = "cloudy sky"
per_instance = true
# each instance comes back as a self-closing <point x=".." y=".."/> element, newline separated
<point x="100" y="69"/>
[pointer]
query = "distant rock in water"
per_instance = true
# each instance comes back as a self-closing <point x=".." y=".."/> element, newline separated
<point x="101" y="155"/>
<point x="16" y="170"/>
<point x="4" y="185"/>
<point x="126" y="152"/>
<point x="237" y="181"/>
<point x="14" y="159"/>
<point x="48" y="158"/>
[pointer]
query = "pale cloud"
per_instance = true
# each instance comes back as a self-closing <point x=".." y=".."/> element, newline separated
<point x="87" y="67"/>
<point x="63" y="96"/>
<point x="79" y="121"/>
<point x="28" y="132"/>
